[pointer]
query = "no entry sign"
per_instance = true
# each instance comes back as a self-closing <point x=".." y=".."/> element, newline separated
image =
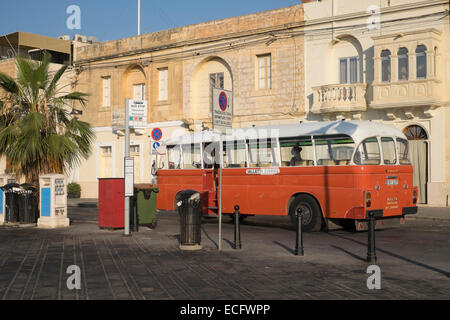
<point x="157" y="134"/>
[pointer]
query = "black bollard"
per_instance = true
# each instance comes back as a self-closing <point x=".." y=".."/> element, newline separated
<point x="237" y="229"/>
<point x="371" y="250"/>
<point x="299" y="233"/>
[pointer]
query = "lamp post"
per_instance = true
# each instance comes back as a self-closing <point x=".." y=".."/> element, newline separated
<point x="139" y="17"/>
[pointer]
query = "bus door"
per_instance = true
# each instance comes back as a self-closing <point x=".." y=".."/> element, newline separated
<point x="263" y="177"/>
<point x="211" y="172"/>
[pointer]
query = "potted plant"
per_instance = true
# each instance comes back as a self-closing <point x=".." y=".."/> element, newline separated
<point x="73" y="190"/>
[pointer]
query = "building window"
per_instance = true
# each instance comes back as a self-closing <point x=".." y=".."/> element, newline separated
<point x="421" y="62"/>
<point x="139" y="91"/>
<point x="106" y="91"/>
<point x="106" y="151"/>
<point x="163" y="84"/>
<point x="217" y="80"/>
<point x="385" y="66"/>
<point x="265" y="71"/>
<point x="403" y="64"/>
<point x="348" y="70"/>
<point x="415" y="132"/>
<point x="135" y="149"/>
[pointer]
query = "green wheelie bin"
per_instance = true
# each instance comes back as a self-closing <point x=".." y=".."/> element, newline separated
<point x="146" y="204"/>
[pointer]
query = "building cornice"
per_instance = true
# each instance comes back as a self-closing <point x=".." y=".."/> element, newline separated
<point x="408" y="33"/>
<point x="364" y="14"/>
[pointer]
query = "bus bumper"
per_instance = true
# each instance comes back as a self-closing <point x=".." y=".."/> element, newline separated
<point x="381" y="223"/>
<point x="409" y="210"/>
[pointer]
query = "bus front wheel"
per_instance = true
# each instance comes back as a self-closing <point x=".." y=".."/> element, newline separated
<point x="312" y="217"/>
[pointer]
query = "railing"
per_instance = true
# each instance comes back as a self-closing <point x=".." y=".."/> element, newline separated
<point x="340" y="98"/>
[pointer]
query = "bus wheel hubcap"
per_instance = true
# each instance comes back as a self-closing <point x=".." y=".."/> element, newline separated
<point x="307" y="213"/>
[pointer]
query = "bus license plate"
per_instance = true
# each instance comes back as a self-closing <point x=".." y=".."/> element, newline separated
<point x="391" y="182"/>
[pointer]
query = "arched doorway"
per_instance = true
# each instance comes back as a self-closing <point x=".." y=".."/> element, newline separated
<point x="418" y="154"/>
<point x="209" y="73"/>
<point x="134" y="84"/>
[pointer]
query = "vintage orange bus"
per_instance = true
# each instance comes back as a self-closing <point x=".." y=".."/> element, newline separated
<point x="335" y="171"/>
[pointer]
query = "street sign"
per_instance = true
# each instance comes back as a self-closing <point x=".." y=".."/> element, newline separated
<point x="118" y="119"/>
<point x="137" y="114"/>
<point x="222" y="108"/>
<point x="157" y="134"/>
<point x="129" y="177"/>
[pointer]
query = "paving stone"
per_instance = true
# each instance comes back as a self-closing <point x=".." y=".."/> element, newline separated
<point x="414" y="262"/>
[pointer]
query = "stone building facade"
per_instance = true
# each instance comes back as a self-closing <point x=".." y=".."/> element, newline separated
<point x="259" y="57"/>
<point x="386" y="61"/>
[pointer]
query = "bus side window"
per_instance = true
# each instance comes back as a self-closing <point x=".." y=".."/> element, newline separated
<point x="174" y="155"/>
<point x="192" y="156"/>
<point x="296" y="152"/>
<point x="262" y="153"/>
<point x="368" y="152"/>
<point x="234" y="154"/>
<point x="334" y="150"/>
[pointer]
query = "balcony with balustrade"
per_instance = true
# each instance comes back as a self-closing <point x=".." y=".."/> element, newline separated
<point x="349" y="97"/>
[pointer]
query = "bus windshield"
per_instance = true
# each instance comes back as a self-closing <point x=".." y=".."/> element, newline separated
<point x="368" y="152"/>
<point x="402" y="150"/>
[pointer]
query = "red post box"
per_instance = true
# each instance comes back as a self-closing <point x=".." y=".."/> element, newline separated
<point x="111" y="203"/>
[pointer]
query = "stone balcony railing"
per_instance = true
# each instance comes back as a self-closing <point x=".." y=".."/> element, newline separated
<point x="412" y="93"/>
<point x="340" y="98"/>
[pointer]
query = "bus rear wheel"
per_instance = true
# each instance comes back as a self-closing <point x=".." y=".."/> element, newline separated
<point x="312" y="217"/>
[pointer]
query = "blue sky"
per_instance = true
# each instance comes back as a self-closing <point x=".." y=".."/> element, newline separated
<point x="115" y="19"/>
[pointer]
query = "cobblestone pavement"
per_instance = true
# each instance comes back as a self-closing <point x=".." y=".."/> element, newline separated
<point x="414" y="261"/>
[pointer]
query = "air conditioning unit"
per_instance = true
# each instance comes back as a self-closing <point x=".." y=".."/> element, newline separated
<point x="64" y="37"/>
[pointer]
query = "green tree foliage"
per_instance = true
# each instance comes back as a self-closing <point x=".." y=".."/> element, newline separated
<point x="38" y="134"/>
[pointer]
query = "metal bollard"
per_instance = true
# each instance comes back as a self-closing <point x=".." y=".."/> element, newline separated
<point x="237" y="229"/>
<point x="371" y="250"/>
<point x="299" y="233"/>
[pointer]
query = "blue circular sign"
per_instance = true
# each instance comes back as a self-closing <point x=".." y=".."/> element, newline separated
<point x="157" y="134"/>
<point x="223" y="101"/>
<point x="156" y="145"/>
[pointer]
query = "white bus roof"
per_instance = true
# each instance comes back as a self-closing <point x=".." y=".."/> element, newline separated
<point x="358" y="130"/>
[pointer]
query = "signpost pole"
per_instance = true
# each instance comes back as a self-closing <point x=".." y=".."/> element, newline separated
<point x="220" y="192"/>
<point x="127" y="155"/>
<point x="222" y="108"/>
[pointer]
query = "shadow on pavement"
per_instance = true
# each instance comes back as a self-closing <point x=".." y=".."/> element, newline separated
<point x="290" y="250"/>
<point x="420" y="264"/>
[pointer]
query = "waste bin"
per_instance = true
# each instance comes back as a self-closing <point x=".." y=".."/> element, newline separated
<point x="189" y="209"/>
<point x="111" y="203"/>
<point x="12" y="199"/>
<point x="145" y="195"/>
<point x="28" y="205"/>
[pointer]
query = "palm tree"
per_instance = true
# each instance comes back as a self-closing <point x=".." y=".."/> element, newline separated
<point x="38" y="134"/>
